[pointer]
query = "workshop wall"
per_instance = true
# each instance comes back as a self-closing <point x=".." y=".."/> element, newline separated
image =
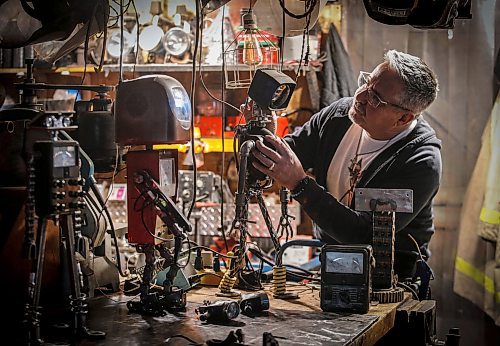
<point x="463" y="59"/>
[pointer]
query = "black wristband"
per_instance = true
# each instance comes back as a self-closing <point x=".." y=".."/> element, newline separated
<point x="301" y="186"/>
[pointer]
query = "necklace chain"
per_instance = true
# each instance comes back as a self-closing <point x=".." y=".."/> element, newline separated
<point x="355" y="171"/>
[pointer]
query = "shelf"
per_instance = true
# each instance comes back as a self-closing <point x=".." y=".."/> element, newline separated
<point x="14" y="70"/>
<point x="149" y="68"/>
<point x="211" y="145"/>
<point x="188" y="68"/>
<point x="160" y="68"/>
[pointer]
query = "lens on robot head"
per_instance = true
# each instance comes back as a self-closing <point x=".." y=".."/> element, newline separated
<point x="232" y="310"/>
<point x="280" y="96"/>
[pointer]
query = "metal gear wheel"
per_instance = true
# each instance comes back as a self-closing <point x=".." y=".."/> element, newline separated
<point x="392" y="295"/>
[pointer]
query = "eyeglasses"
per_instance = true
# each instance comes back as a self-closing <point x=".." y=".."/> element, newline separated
<point x="373" y="99"/>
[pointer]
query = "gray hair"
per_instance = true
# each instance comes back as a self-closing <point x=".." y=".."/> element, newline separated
<point x="421" y="85"/>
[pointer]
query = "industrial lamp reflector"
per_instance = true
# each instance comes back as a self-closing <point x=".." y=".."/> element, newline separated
<point x="271" y="89"/>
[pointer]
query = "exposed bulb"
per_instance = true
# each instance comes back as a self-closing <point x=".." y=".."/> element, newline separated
<point x="252" y="53"/>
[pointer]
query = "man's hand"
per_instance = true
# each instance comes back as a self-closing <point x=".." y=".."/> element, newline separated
<point x="281" y="164"/>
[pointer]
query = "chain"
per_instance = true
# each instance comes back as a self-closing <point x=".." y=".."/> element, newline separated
<point x="29" y="233"/>
<point x="285" y="226"/>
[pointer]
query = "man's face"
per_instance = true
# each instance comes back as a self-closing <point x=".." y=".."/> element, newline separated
<point x="387" y="119"/>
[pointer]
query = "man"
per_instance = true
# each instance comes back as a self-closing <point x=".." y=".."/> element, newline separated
<point x="376" y="139"/>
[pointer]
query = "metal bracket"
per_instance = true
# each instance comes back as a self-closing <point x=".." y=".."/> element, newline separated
<point x="397" y="200"/>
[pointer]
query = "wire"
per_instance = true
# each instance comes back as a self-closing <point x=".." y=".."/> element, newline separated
<point x="201" y="68"/>
<point x="120" y="63"/>
<point x="408" y="288"/>
<point x="167" y="340"/>
<point x="205" y="248"/>
<point x="223" y="128"/>
<point x="309" y="7"/>
<point x="114" y="175"/>
<point x="136" y="38"/>
<point x="193" y="85"/>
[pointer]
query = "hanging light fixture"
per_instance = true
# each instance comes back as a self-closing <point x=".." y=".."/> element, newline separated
<point x="251" y="49"/>
<point x="252" y="53"/>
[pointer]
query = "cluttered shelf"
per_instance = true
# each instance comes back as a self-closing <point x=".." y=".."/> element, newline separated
<point x="152" y="68"/>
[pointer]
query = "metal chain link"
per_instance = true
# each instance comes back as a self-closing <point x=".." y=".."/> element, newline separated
<point x="285" y="226"/>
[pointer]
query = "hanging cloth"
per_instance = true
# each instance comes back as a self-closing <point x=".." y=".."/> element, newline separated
<point x="477" y="265"/>
<point x="338" y="79"/>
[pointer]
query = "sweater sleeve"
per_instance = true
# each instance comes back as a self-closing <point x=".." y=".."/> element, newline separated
<point x="420" y="173"/>
<point x="305" y="141"/>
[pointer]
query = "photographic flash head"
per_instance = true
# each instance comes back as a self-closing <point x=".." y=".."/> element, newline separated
<point x="271" y="89"/>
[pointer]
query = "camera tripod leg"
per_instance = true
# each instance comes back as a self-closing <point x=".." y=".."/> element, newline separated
<point x="78" y="304"/>
<point x="34" y="286"/>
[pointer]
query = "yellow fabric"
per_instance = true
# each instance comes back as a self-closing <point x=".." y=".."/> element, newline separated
<point x="477" y="264"/>
<point x="478" y="276"/>
<point x="490" y="216"/>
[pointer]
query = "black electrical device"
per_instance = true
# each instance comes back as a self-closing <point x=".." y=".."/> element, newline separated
<point x="220" y="311"/>
<point x="345" y="278"/>
<point x="57" y="177"/>
<point x="254" y="303"/>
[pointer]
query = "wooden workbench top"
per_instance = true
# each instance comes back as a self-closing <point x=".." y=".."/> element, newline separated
<point x="291" y="322"/>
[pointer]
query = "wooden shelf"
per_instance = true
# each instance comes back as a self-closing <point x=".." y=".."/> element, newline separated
<point x="148" y="68"/>
<point x="14" y="70"/>
<point x="188" y="68"/>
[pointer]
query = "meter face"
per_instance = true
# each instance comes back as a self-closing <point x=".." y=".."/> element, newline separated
<point x="344" y="262"/>
<point x="64" y="156"/>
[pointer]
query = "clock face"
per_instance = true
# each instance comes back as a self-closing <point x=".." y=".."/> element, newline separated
<point x="344" y="262"/>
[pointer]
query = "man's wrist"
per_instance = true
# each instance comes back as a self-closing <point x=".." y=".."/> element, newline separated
<point x="300" y="187"/>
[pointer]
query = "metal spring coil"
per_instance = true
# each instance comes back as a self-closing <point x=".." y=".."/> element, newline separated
<point x="227" y="282"/>
<point x="279" y="280"/>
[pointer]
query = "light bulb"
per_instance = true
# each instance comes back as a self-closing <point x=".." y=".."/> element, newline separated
<point x="252" y="53"/>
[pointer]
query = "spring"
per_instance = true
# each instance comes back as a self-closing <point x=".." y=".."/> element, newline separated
<point x="227" y="282"/>
<point x="279" y="280"/>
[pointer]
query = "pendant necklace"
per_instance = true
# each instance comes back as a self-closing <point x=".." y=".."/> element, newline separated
<point x="355" y="171"/>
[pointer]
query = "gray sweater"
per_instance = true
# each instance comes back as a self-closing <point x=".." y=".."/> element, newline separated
<point x="413" y="162"/>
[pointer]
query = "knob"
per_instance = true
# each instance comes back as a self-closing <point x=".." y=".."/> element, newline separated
<point x="59" y="183"/>
<point x="58" y="195"/>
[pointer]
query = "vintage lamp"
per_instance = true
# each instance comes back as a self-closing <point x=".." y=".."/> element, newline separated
<point x="251" y="49"/>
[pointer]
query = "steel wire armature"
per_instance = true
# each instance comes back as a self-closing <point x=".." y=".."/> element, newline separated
<point x="285" y="226"/>
<point x="268" y="221"/>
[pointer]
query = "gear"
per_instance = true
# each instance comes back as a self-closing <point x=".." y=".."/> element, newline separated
<point x="392" y="295"/>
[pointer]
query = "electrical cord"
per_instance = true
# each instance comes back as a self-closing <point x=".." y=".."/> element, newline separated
<point x="136" y="38"/>
<point x="196" y="247"/>
<point x="309" y="4"/>
<point x="193" y="85"/>
<point x="269" y="261"/>
<point x="192" y="342"/>
<point x="409" y="289"/>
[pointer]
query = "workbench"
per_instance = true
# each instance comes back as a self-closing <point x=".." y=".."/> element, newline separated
<point x="291" y="322"/>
